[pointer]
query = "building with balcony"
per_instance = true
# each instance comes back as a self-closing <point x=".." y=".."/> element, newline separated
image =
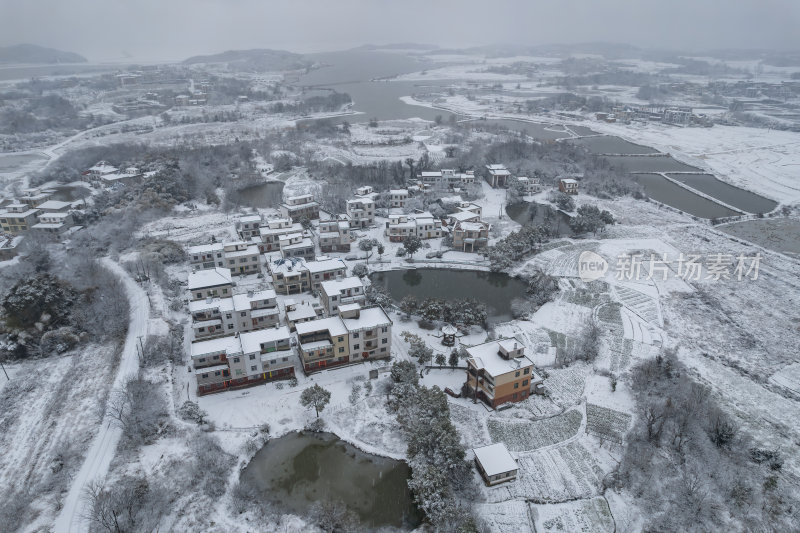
<point x="470" y="236"/>
<point x="247" y="226"/>
<point x="421" y="224"/>
<point x="499" y="372"/>
<point x="17" y="217"/>
<point x="214" y="317"/>
<point x="568" y="185"/>
<point x="297" y="245"/>
<point x="242" y="360"/>
<point x="204" y="256"/>
<point x="334" y="235"/>
<point x="355" y="335"/>
<point x="299" y="207"/>
<point x="271" y="232"/>
<point x="242" y="258"/>
<point x="530" y="185"/>
<point x="398" y="198"/>
<point x="361" y="211"/>
<point x="296" y="276"/>
<point x="211" y="283"/>
<point x="334" y="294"/>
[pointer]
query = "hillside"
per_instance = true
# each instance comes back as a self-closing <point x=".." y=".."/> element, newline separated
<point x="31" y="53"/>
<point x="256" y="59"/>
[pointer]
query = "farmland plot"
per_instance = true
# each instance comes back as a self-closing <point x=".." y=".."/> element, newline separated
<point x="565" y="385"/>
<point x="607" y="424"/>
<point x="572" y="471"/>
<point x="521" y="436"/>
<point x="586" y="516"/>
<point x="505" y="516"/>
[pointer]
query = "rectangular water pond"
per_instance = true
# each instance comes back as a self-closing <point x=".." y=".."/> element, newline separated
<point x="739" y="198"/>
<point x="662" y="190"/>
<point x="643" y="163"/>
<point x="608" y="144"/>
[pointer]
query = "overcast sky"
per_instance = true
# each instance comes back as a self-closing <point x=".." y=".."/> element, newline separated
<point x="176" y="29"/>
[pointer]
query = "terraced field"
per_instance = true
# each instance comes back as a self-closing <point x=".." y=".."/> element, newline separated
<point x="522" y="435"/>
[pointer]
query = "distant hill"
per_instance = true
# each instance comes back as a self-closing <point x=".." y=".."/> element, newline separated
<point x="607" y="50"/>
<point x="398" y="46"/>
<point x="258" y="59"/>
<point x="31" y="53"/>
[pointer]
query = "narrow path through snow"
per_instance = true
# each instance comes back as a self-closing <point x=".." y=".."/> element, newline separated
<point x="73" y="516"/>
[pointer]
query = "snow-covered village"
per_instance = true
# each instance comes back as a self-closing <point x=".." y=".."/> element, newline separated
<point x="256" y="276"/>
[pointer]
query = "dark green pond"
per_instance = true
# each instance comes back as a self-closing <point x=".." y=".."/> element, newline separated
<point x="299" y="469"/>
<point x="493" y="289"/>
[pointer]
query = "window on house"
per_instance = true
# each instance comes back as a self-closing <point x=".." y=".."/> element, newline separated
<point x="201" y="329"/>
<point x="341" y="349"/>
<point x="199" y="294"/>
<point x="253" y="368"/>
<point x="205" y="376"/>
<point x="524" y="382"/>
<point x="516" y="385"/>
<point x="224" y="291"/>
<point x="252" y="356"/>
<point x="201" y="360"/>
<point x="355" y="335"/>
<point x="243" y="313"/>
<point x="215" y="357"/>
<point x="217" y="373"/>
<point x="526" y="371"/>
<point x="230" y="326"/>
<point x="356" y="347"/>
<point x="516" y="374"/>
<point x="384" y="341"/>
<point x="384" y="329"/>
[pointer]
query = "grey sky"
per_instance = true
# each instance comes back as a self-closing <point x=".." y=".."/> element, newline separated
<point x="175" y="29"/>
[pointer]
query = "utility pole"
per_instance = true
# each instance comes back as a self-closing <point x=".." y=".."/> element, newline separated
<point x="4" y="371"/>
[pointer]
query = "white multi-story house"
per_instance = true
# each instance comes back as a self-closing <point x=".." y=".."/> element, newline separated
<point x="361" y="211"/>
<point x="355" y="334"/>
<point x="421" y="224"/>
<point x="530" y="185"/>
<point x="333" y="294"/>
<point x="445" y="178"/>
<point x="295" y="245"/>
<point x="243" y="359"/>
<point x="334" y="234"/>
<point x="239" y="257"/>
<point x="214" y="317"/>
<point x="211" y="283"/>
<point x="470" y="236"/>
<point x="247" y="226"/>
<point x="16" y="218"/>
<point x="273" y="230"/>
<point x="206" y="255"/>
<point x="398" y="198"/>
<point x="298" y="207"/>
<point x="295" y="276"/>
<point x="53" y="223"/>
<point x="242" y="258"/>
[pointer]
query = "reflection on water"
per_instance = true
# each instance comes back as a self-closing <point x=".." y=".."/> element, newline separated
<point x="300" y="469"/>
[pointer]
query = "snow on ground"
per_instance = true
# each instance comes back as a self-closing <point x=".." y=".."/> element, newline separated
<point x="587" y="516"/>
<point x="505" y="516"/>
<point x="757" y="159"/>
<point x="73" y="515"/>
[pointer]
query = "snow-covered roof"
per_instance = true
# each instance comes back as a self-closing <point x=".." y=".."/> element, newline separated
<point x="242" y="301"/>
<point x="305" y="243"/>
<point x="250" y="250"/>
<point x="398" y="192"/>
<point x="43" y="225"/>
<point x="367" y="318"/>
<point x="249" y="218"/>
<point x="568" y="180"/>
<point x="267" y="311"/>
<point x="495" y="459"/>
<point x="205" y="248"/>
<point x="334" y="325"/>
<point x="485" y="356"/>
<point x="339" y="285"/>
<point x="229" y="345"/>
<point x="464" y="216"/>
<point x="251" y="341"/>
<point x="209" y="278"/>
<point x="303" y="311"/>
<point x="326" y="265"/>
<point x="54" y="205"/>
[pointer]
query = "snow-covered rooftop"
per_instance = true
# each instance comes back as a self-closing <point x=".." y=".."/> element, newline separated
<point x="229" y="345"/>
<point x="495" y="459"/>
<point x="485" y="356"/>
<point x="209" y="278"/>
<point x="339" y="285"/>
<point x="334" y="325"/>
<point x="252" y="340"/>
<point x="54" y="205"/>
<point x="367" y="318"/>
